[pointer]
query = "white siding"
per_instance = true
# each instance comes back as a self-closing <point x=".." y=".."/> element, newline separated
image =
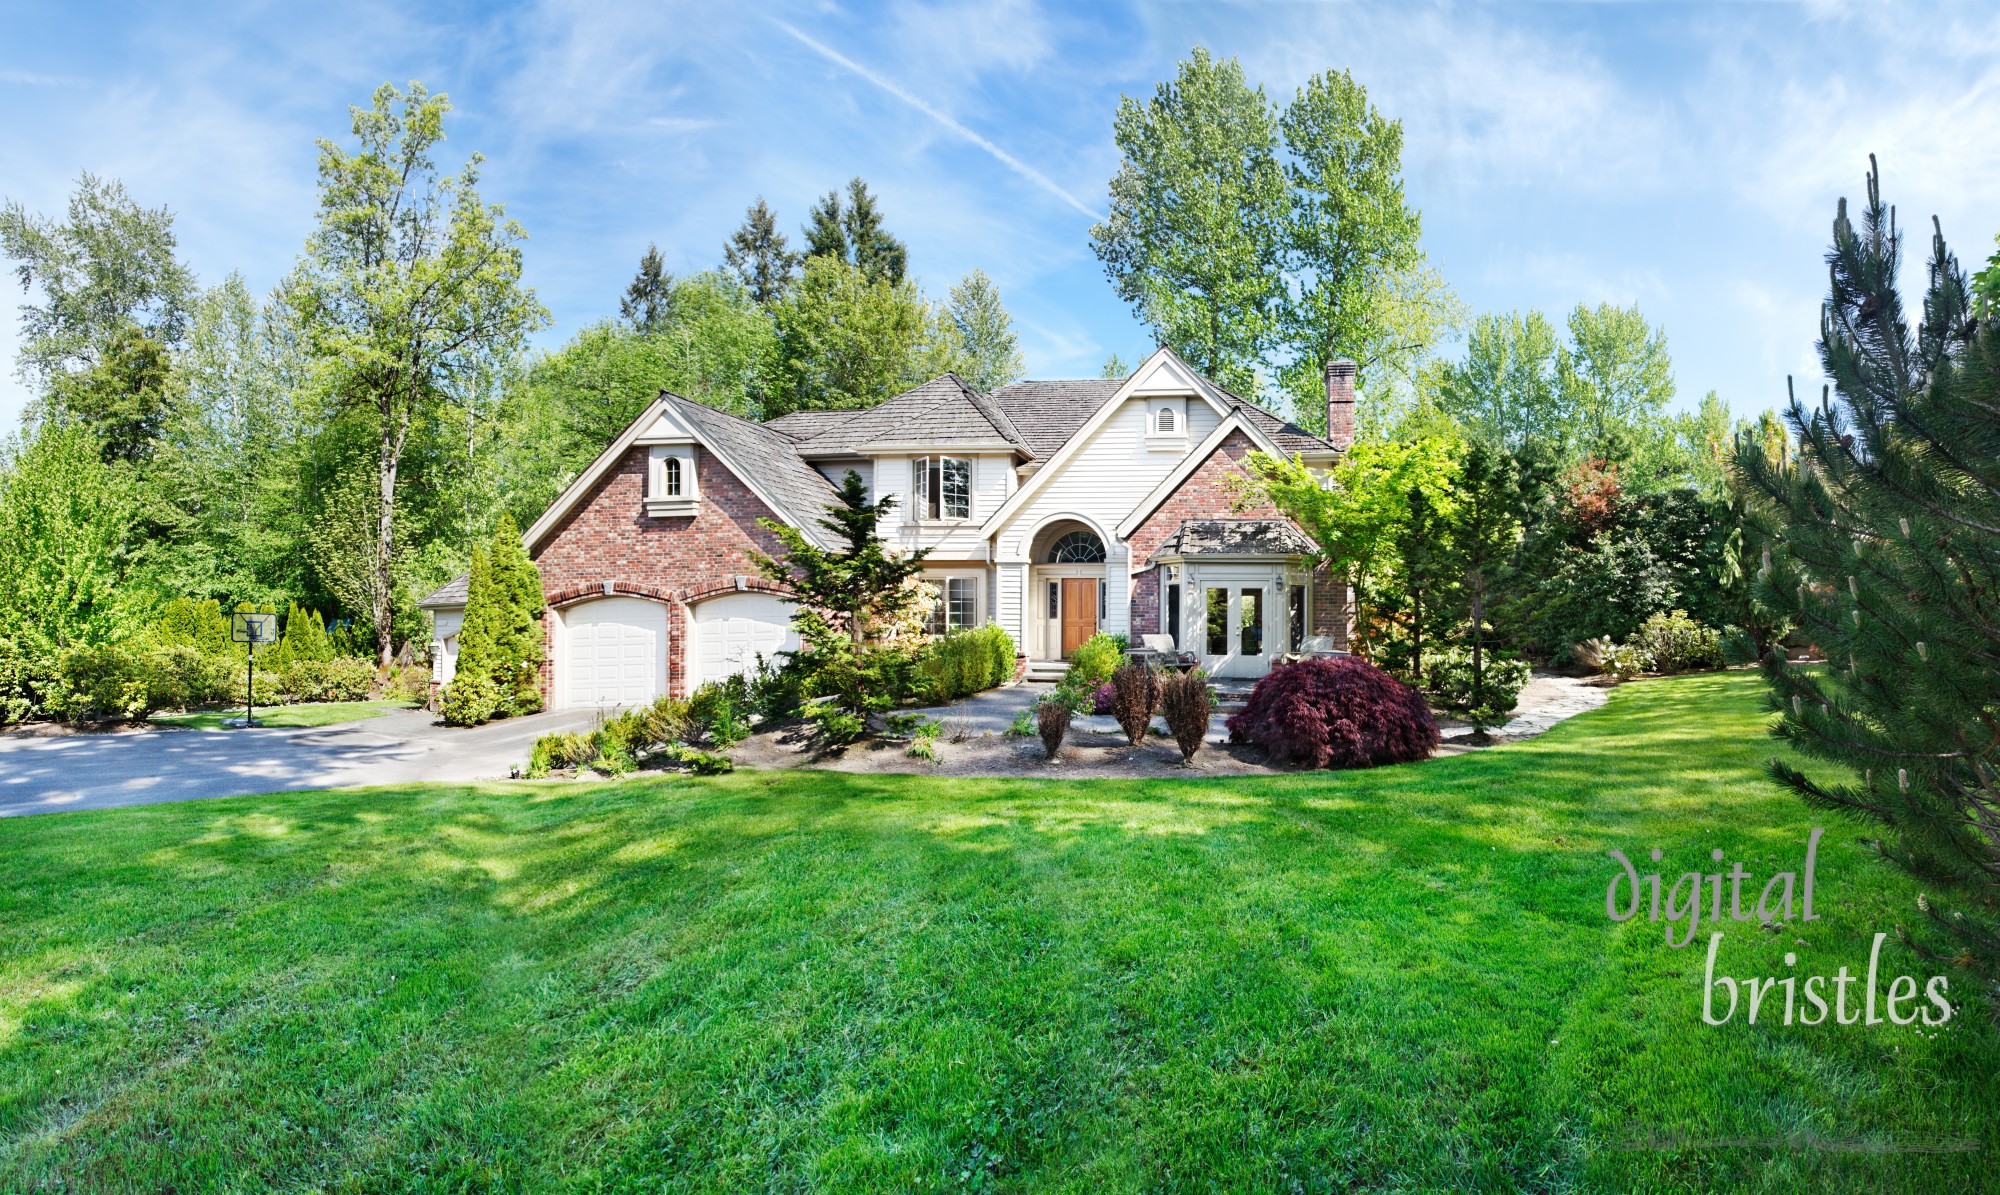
<point x="992" y="485"/>
<point x="1103" y="482"/>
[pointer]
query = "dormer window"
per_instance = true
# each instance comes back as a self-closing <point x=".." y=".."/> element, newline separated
<point x="1164" y="425"/>
<point x="941" y="487"/>
<point x="670" y="481"/>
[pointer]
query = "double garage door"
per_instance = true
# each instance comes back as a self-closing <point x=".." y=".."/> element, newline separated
<point x="616" y="647"/>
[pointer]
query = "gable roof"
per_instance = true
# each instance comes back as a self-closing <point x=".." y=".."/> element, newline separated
<point x="765" y="461"/>
<point x="804" y="425"/>
<point x="1047" y="414"/>
<point x="449" y="596"/>
<point x="942" y="413"/>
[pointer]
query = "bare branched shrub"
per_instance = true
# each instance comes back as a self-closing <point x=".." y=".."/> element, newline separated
<point x="1185" y="703"/>
<point x="1135" y="694"/>
<point x="1052" y="720"/>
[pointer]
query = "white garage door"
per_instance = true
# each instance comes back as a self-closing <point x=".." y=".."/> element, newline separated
<point x="617" y="651"/>
<point x="732" y="630"/>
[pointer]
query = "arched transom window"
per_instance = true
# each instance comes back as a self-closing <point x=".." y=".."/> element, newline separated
<point x="1077" y="547"/>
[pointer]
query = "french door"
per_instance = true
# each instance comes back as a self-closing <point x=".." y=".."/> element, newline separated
<point x="1234" y="618"/>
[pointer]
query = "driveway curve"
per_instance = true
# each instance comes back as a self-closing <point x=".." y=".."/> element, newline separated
<point x="57" y="773"/>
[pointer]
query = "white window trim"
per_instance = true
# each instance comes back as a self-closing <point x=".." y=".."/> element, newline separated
<point x="659" y="504"/>
<point x="919" y="500"/>
<point x="971" y="577"/>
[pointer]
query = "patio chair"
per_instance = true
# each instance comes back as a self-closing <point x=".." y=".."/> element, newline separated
<point x="1158" y="651"/>
<point x="1315" y="647"/>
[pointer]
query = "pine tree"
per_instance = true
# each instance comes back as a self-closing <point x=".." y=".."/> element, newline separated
<point x="826" y="234"/>
<point x="1424" y="576"/>
<point x="471" y="697"/>
<point x="515" y="620"/>
<point x="648" y="302"/>
<point x="879" y="256"/>
<point x="760" y="255"/>
<point x="985" y="333"/>
<point x="837" y="595"/>
<point x="1880" y="540"/>
<point x="1485" y="530"/>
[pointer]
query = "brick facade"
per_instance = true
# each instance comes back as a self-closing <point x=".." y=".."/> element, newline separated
<point x="1206" y="493"/>
<point x="607" y="545"/>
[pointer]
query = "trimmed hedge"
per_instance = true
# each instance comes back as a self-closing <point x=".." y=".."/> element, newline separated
<point x="1336" y="713"/>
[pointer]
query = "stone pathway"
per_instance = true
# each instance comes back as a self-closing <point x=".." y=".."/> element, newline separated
<point x="1545" y="700"/>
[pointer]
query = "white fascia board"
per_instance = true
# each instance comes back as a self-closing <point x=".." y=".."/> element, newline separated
<point x="1138" y="383"/>
<point x="588" y="479"/>
<point x="1192" y="461"/>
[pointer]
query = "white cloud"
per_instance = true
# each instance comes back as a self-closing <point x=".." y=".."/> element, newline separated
<point x="36" y="79"/>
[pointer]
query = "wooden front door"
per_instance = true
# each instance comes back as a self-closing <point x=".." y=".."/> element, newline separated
<point x="1079" y="612"/>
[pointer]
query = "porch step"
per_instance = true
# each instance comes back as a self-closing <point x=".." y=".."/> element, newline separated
<point x="1047" y="671"/>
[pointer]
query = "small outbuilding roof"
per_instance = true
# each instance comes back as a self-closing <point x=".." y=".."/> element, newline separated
<point x="1236" y="537"/>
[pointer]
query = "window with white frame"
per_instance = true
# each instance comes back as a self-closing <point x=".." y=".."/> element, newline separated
<point x="670" y="481"/>
<point x="957" y="605"/>
<point x="942" y="486"/>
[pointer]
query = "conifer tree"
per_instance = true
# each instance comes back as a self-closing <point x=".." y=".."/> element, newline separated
<point x="471" y="697"/>
<point x="648" y="302"/>
<point x="1485" y="530"/>
<point x="879" y="256"/>
<point x="1880" y="541"/>
<point x="515" y="620"/>
<point x="826" y="234"/>
<point x="760" y="255"/>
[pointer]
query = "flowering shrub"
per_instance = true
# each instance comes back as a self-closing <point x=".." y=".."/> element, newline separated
<point x="1103" y="699"/>
<point x="1336" y="713"/>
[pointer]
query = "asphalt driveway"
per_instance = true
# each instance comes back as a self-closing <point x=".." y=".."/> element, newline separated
<point x="101" y="771"/>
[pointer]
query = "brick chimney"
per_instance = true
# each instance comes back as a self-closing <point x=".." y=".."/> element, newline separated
<point x="1340" y="403"/>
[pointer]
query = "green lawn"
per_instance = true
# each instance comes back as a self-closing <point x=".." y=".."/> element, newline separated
<point x="1392" y="980"/>
<point x="325" y="713"/>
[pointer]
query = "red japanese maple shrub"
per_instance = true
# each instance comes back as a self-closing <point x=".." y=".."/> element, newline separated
<point x="1336" y="713"/>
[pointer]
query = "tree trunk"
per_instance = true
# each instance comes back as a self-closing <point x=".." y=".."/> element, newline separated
<point x="387" y="461"/>
<point x="1478" y="656"/>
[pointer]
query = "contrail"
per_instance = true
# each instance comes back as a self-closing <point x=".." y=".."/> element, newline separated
<point x="889" y="85"/>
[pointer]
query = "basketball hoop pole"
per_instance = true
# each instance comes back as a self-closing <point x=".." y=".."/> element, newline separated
<point x="250" y="685"/>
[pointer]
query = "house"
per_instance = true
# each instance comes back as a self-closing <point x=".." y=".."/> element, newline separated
<point x="1056" y="509"/>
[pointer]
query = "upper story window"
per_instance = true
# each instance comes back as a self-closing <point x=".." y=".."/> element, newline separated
<point x="1077" y="547"/>
<point x="670" y="482"/>
<point x="1165" y="424"/>
<point x="942" y="486"/>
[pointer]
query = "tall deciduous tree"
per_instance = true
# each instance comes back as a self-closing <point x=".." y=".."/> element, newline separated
<point x="67" y="544"/>
<point x="843" y="340"/>
<point x="986" y="332"/>
<point x="1616" y="376"/>
<point x="1195" y="237"/>
<point x="760" y="255"/>
<point x="1883" y="542"/>
<point x="409" y="286"/>
<point x="1505" y="389"/>
<point x="647" y="299"/>
<point x="107" y="265"/>
<point x="1357" y="285"/>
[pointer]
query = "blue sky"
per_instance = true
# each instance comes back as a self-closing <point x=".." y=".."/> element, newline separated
<point x="1686" y="158"/>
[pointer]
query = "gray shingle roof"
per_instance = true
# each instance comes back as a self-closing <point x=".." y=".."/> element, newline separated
<point x="1047" y="414"/>
<point x="768" y="459"/>
<point x="804" y="425"/>
<point x="1236" y="537"/>
<point x="942" y="411"/>
<point x="1284" y="433"/>
<point x="448" y="596"/>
